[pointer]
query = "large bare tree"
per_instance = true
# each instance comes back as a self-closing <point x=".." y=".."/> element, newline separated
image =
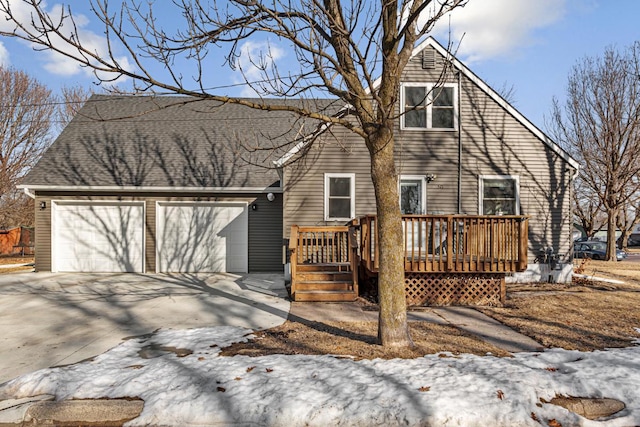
<point x="600" y="125"/>
<point x="25" y="123"/>
<point x="354" y="50"/>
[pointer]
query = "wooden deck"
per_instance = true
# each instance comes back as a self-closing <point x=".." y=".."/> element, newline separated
<point x="449" y="259"/>
<point x="454" y="243"/>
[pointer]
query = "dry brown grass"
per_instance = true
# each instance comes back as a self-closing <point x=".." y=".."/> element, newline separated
<point x="586" y="316"/>
<point x="4" y="260"/>
<point x="358" y="340"/>
<point x="15" y="269"/>
<point x="626" y="271"/>
<point x="7" y="260"/>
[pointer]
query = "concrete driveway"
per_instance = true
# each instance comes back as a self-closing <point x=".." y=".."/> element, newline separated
<point x="51" y="319"/>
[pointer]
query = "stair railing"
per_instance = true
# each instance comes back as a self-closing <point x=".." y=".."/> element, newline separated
<point x="331" y="245"/>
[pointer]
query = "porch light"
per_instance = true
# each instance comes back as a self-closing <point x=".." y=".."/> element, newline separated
<point x="43" y="205"/>
<point x="271" y="197"/>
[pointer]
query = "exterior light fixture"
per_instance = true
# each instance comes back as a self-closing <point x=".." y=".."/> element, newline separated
<point x="43" y="205"/>
<point x="271" y="197"/>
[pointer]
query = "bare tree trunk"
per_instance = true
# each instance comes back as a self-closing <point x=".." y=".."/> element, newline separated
<point x="393" y="330"/>
<point x="626" y="222"/>
<point x="611" y="235"/>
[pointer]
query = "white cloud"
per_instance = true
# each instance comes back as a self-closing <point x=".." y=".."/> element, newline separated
<point x="57" y="63"/>
<point x="4" y="56"/>
<point x="20" y="10"/>
<point x="255" y="58"/>
<point x="61" y="65"/>
<point x="495" y="28"/>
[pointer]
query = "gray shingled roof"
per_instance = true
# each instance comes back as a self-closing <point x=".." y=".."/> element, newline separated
<point x="146" y="141"/>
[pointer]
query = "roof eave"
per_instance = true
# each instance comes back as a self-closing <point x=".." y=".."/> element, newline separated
<point x="150" y="189"/>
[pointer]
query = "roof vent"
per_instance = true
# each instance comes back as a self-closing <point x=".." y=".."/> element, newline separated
<point x="428" y="59"/>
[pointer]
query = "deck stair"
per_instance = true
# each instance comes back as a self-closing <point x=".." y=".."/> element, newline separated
<point x="324" y="264"/>
<point x="325" y="282"/>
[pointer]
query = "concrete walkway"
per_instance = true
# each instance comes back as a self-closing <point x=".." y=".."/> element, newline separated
<point x="464" y="318"/>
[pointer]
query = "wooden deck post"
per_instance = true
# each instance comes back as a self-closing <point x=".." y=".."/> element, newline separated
<point x="353" y="258"/>
<point x="523" y="244"/>
<point x="450" y="237"/>
<point x="375" y="246"/>
<point x="293" y="256"/>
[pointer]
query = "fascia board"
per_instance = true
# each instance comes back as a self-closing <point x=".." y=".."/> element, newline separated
<point x="149" y="189"/>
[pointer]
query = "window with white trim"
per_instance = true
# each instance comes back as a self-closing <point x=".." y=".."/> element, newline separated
<point x="499" y="195"/>
<point x="339" y="196"/>
<point x="427" y="106"/>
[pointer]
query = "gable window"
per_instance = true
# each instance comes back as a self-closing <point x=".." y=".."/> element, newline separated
<point x="425" y="106"/>
<point x="339" y="196"/>
<point x="499" y="195"/>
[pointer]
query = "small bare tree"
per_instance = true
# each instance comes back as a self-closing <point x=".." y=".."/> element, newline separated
<point x="587" y="208"/>
<point x="628" y="218"/>
<point x="354" y="51"/>
<point x="600" y="125"/>
<point x="72" y="98"/>
<point x="25" y="122"/>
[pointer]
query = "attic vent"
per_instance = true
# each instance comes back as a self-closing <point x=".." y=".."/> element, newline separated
<point x="428" y="59"/>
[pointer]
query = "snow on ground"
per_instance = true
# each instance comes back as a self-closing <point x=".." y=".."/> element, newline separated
<point x="205" y="388"/>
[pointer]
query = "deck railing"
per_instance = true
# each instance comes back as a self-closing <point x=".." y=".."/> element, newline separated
<point x="337" y="245"/>
<point x="454" y="243"/>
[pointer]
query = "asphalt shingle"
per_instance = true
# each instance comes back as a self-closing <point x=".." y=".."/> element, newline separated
<point x="172" y="141"/>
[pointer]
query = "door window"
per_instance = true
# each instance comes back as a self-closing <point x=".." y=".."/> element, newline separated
<point x="412" y="195"/>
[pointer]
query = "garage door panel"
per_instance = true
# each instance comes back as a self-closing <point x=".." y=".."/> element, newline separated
<point x="99" y="237"/>
<point x="203" y="237"/>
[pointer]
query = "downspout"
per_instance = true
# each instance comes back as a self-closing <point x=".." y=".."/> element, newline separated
<point x="571" y="190"/>
<point x="286" y="261"/>
<point x="459" y="146"/>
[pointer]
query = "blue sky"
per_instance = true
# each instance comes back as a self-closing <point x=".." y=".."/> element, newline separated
<point x="529" y="45"/>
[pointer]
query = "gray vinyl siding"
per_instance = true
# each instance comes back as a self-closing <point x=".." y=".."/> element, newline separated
<point x="42" y="244"/>
<point x="493" y="143"/>
<point x="304" y="180"/>
<point x="265" y="235"/>
<point x="265" y="226"/>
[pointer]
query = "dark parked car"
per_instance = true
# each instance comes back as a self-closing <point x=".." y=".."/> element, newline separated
<point x="587" y="239"/>
<point x="632" y="240"/>
<point x="594" y="250"/>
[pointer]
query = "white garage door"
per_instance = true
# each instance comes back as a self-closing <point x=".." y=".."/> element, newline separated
<point x="203" y="237"/>
<point x="98" y="237"/>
